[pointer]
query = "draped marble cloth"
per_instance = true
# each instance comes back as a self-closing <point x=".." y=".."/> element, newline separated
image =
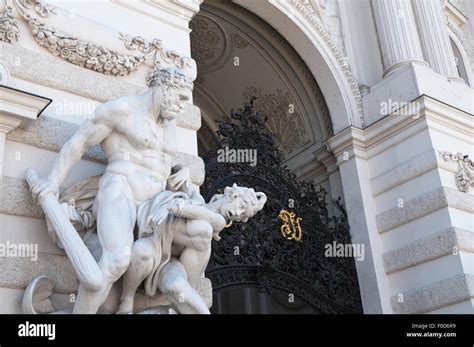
<point x="82" y="196"/>
<point x="162" y="235"/>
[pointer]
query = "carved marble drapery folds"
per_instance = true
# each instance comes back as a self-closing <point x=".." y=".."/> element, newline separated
<point x="82" y="52"/>
<point x="465" y="175"/>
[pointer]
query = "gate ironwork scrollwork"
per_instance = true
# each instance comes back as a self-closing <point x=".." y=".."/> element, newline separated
<point x="255" y="253"/>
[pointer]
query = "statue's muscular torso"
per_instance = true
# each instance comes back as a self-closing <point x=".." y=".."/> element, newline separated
<point x="138" y="149"/>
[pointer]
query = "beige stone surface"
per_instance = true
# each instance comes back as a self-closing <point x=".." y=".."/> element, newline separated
<point x="18" y="272"/>
<point x="435" y="296"/>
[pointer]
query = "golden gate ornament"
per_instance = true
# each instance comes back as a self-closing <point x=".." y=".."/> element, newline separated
<point x="291" y="229"/>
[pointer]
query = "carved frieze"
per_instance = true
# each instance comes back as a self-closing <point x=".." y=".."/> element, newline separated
<point x="82" y="52"/>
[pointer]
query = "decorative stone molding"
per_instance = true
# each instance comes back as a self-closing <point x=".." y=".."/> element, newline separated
<point x="445" y="242"/>
<point x="383" y="134"/>
<point x="405" y="172"/>
<point x="457" y="23"/>
<point x="465" y="176"/>
<point x="444" y="293"/>
<point x="36" y="68"/>
<point x="309" y="13"/>
<point x="17" y="106"/>
<point x="287" y="126"/>
<point x="423" y="205"/>
<point x="9" y="30"/>
<point x="84" y="53"/>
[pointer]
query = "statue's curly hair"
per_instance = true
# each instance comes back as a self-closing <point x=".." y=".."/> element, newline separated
<point x="253" y="200"/>
<point x="169" y="76"/>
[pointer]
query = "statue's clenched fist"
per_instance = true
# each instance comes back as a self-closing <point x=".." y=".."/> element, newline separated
<point x="42" y="187"/>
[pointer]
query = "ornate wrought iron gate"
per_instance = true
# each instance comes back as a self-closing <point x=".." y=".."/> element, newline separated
<point x="256" y="253"/>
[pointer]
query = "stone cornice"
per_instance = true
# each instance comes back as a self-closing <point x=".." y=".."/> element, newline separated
<point x="431" y="114"/>
<point x="17" y="106"/>
<point x="454" y="14"/>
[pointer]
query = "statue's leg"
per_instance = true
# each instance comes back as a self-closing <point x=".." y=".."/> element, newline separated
<point x="116" y="217"/>
<point x="197" y="238"/>
<point x="174" y="285"/>
<point x="140" y="267"/>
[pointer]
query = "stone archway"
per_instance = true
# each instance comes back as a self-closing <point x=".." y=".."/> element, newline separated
<point x="269" y="68"/>
<point x="239" y="56"/>
<point x="299" y="22"/>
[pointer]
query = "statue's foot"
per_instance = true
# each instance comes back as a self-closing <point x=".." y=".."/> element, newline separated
<point x="126" y="306"/>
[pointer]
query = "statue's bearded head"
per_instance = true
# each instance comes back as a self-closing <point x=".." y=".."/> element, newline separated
<point x="170" y="86"/>
<point x="238" y="204"/>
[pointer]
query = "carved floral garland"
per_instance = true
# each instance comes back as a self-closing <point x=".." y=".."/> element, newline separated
<point x="465" y="175"/>
<point x="8" y="26"/>
<point x="80" y="52"/>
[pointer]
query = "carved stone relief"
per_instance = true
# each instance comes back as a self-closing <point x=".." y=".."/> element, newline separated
<point x="284" y="121"/>
<point x="465" y="175"/>
<point x="82" y="52"/>
<point x="238" y="41"/>
<point x="8" y="26"/>
<point x="210" y="48"/>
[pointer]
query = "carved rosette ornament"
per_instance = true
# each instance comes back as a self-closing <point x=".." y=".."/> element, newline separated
<point x="238" y="41"/>
<point x="211" y="44"/>
<point x="465" y="175"/>
<point x="81" y="52"/>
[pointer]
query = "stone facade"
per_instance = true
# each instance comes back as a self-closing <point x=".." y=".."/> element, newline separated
<point x="382" y="92"/>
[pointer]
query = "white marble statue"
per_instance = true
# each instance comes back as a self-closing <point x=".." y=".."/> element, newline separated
<point x="139" y="154"/>
<point x="139" y="189"/>
<point x="174" y="244"/>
